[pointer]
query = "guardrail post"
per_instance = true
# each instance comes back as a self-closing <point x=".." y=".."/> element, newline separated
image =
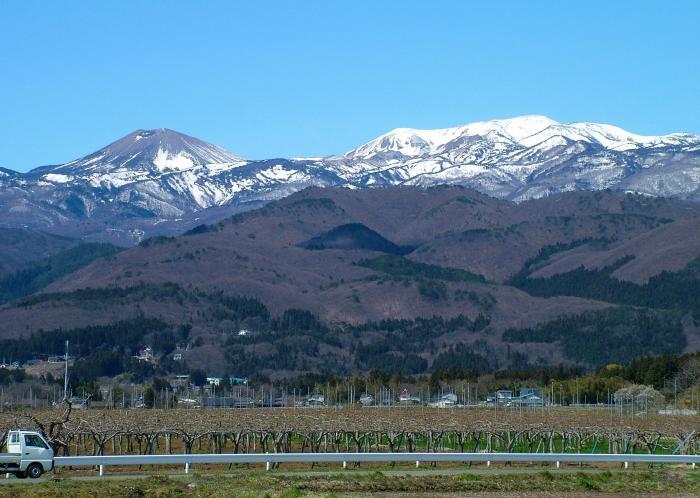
<point x="102" y="470"/>
<point x="417" y="463"/>
<point x="187" y="467"/>
<point x="627" y="465"/>
<point x="558" y="463"/>
<point x="267" y="466"/>
<point x="345" y="464"/>
<point x="488" y="463"/>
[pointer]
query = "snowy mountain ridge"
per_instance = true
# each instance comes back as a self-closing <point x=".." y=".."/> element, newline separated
<point x="161" y="181"/>
<point x="525" y="131"/>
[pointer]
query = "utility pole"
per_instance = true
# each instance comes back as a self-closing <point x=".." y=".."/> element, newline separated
<point x="675" y="393"/>
<point x="65" y="376"/>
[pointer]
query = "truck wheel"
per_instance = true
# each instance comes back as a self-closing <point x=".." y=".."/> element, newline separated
<point x="35" y="470"/>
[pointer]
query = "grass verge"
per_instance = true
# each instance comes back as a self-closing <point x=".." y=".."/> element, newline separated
<point x="254" y="484"/>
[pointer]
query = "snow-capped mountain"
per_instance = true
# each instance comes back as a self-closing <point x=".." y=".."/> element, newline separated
<point x="162" y="181"/>
<point x="148" y="182"/>
<point x="520" y="132"/>
<point x="529" y="157"/>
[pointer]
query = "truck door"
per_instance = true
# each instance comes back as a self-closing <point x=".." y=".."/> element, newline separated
<point x="36" y="450"/>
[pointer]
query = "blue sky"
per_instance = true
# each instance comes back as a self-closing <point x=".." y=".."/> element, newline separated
<point x="281" y="79"/>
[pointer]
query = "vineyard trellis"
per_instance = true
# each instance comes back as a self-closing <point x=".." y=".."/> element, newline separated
<point x="123" y="432"/>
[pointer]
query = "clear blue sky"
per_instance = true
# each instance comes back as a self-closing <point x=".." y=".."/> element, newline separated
<point x="303" y="78"/>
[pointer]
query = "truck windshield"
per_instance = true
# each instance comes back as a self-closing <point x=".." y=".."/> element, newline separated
<point x="34" y="440"/>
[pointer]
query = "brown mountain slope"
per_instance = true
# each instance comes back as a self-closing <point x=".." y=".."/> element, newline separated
<point x="257" y="254"/>
<point x="260" y="254"/>
<point x="668" y="247"/>
<point x="449" y="226"/>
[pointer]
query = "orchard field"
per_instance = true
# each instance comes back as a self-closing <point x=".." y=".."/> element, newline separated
<point x="598" y="430"/>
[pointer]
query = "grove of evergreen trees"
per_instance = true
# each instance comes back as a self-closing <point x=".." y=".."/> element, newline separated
<point x="611" y="335"/>
<point x="669" y="290"/>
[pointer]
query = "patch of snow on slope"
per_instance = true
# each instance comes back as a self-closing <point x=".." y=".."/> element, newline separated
<point x="179" y="162"/>
<point x="517" y="128"/>
<point x="57" y="178"/>
<point x="276" y="173"/>
<point x="221" y="167"/>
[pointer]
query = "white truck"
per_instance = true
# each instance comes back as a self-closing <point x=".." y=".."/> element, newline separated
<point x="28" y="455"/>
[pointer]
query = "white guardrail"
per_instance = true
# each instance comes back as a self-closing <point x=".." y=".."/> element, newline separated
<point x="344" y="458"/>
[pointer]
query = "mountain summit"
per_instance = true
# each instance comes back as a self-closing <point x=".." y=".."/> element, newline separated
<point x="156" y="151"/>
<point x="161" y="181"/>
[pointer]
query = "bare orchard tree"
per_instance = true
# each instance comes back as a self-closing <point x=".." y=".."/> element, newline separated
<point x="53" y="428"/>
